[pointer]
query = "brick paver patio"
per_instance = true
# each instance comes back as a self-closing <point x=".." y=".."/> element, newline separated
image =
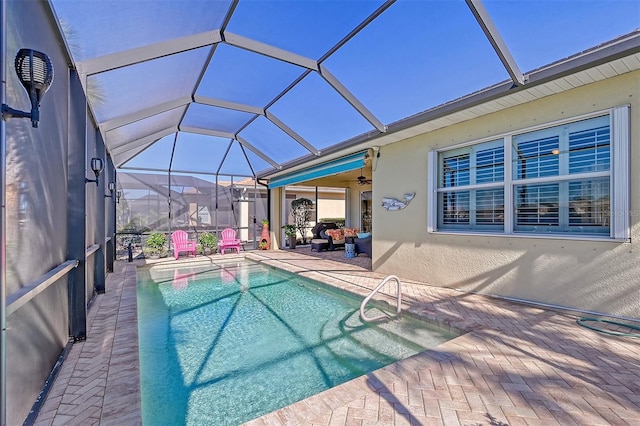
<point x="516" y="364"/>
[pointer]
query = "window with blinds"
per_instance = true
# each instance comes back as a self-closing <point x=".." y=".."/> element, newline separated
<point x="558" y="154"/>
<point x="553" y="180"/>
<point x="471" y="187"/>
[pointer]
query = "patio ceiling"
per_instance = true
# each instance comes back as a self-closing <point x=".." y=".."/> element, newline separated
<point x="255" y="87"/>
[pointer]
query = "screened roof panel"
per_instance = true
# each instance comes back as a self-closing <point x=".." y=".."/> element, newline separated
<point x="541" y="32"/>
<point x="272" y="141"/>
<point x="328" y="74"/>
<point x="148" y="84"/>
<point x="319" y="113"/>
<point x="308" y="28"/>
<point x="215" y="118"/>
<point x="210" y="151"/>
<point x="415" y="70"/>
<point x="124" y="156"/>
<point x="236" y="162"/>
<point x="107" y="26"/>
<point x="193" y="180"/>
<point x="245" y="77"/>
<point x="257" y="163"/>
<point x="156" y="157"/>
<point x="143" y="128"/>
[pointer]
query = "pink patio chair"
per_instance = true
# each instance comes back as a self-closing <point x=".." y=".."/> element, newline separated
<point x="181" y="243"/>
<point x="229" y="241"/>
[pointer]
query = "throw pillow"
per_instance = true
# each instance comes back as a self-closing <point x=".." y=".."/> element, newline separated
<point x="351" y="232"/>
<point x="364" y="234"/>
<point x="335" y="234"/>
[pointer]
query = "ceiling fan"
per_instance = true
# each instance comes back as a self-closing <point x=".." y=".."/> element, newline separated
<point x="362" y="180"/>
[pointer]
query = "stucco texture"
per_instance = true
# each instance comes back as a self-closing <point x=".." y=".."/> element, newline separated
<point x="599" y="276"/>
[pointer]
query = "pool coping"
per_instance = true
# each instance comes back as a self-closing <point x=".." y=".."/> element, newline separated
<point x="500" y="371"/>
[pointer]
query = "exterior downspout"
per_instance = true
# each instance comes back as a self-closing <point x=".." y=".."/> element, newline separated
<point x="268" y="199"/>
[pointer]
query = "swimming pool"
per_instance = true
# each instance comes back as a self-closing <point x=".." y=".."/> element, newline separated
<point x="229" y="342"/>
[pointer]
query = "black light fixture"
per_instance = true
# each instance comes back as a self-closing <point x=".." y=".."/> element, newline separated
<point x="97" y="165"/>
<point x="118" y="195"/>
<point x="35" y="72"/>
<point x="112" y="188"/>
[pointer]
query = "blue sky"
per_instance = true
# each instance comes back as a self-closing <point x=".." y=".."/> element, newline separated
<point x="416" y="55"/>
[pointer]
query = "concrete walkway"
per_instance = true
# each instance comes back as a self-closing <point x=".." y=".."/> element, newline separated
<point x="516" y="364"/>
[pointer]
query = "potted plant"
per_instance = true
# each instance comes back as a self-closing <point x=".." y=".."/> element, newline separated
<point x="209" y="242"/>
<point x="265" y="239"/>
<point x="156" y="245"/>
<point x="290" y="232"/>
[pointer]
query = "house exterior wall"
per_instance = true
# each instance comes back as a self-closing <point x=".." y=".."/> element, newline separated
<point x="599" y="276"/>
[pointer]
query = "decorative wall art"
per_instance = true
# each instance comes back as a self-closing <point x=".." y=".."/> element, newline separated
<point x="395" y="204"/>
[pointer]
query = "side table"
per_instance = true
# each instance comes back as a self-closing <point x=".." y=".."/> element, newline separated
<point x="349" y="250"/>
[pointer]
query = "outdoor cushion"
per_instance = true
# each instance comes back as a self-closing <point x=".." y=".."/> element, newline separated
<point x="364" y="234"/>
<point x="336" y="234"/>
<point x="316" y="231"/>
<point x="351" y="232"/>
<point x="319" y="244"/>
<point x="363" y="245"/>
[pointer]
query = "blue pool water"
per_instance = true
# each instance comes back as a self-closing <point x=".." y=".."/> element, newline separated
<point x="224" y="344"/>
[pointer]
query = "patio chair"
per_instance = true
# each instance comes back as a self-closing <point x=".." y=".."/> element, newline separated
<point x="321" y="241"/>
<point x="181" y="243"/>
<point x="228" y="240"/>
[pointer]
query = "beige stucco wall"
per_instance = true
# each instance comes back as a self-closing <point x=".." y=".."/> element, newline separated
<point x="600" y="276"/>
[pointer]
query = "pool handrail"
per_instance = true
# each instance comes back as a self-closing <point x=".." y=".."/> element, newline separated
<point x="384" y="315"/>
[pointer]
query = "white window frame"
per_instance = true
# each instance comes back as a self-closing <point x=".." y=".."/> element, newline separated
<point x="619" y="229"/>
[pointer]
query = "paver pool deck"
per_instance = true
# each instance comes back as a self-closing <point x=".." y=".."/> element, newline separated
<point x="515" y="364"/>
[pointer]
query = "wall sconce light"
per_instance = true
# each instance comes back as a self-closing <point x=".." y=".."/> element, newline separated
<point x="97" y="165"/>
<point x="35" y="72"/>
<point x="118" y="195"/>
<point x="112" y="188"/>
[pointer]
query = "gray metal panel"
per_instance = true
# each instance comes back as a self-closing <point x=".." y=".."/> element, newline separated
<point x="110" y="212"/>
<point x="99" y="272"/>
<point x="36" y="183"/>
<point x="89" y="283"/>
<point x="37" y="334"/>
<point x="3" y="223"/>
<point x="76" y="200"/>
<point x="36" y="161"/>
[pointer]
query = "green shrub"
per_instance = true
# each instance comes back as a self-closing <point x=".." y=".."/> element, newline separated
<point x="207" y="239"/>
<point x="289" y="230"/>
<point x="156" y="244"/>
<point x="157" y="241"/>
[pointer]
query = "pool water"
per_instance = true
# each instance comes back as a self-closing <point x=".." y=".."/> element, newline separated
<point x="224" y="344"/>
